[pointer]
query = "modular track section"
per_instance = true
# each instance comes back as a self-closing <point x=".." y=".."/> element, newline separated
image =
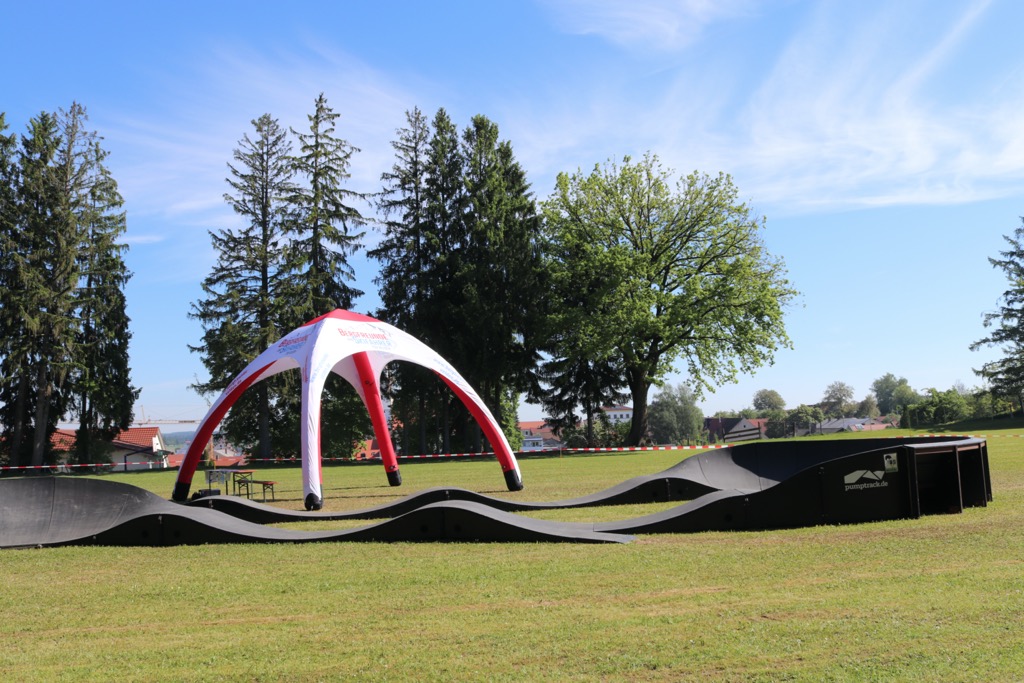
<point x="762" y="485"/>
<point x="57" y="511"/>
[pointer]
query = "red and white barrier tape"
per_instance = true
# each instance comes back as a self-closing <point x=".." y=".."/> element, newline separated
<point x="434" y="456"/>
<point x="63" y="466"/>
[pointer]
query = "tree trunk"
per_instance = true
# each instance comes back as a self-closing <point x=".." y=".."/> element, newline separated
<point x="446" y="432"/>
<point x="422" y="422"/>
<point x="638" y="388"/>
<point x="18" y="428"/>
<point x="43" y="393"/>
<point x="263" y="397"/>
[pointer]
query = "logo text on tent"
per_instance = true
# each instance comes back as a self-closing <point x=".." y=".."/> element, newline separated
<point x="287" y="345"/>
<point x="374" y="337"/>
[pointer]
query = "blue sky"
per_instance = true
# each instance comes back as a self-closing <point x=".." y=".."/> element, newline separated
<point x="883" y="141"/>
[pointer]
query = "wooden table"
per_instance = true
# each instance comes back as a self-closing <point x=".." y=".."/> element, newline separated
<point x="240" y="479"/>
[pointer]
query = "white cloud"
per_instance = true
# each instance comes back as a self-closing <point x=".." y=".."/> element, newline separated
<point x="143" y="239"/>
<point x="644" y="24"/>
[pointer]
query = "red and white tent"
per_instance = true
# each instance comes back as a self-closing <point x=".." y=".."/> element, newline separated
<point x="357" y="347"/>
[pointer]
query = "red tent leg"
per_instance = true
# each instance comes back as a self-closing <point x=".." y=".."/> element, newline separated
<point x="371" y="396"/>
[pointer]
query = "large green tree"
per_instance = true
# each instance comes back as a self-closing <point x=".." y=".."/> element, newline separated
<point x="323" y="230"/>
<point x="460" y="247"/>
<point x="1005" y="376"/>
<point x="248" y="295"/>
<point x="14" y="377"/>
<point x="440" y="291"/>
<point x="404" y="278"/>
<point x="837" y="399"/>
<point x="61" y="288"/>
<point x="501" y="275"/>
<point x="686" y="272"/>
<point x="103" y="396"/>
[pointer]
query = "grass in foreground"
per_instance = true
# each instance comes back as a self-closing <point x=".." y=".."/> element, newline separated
<point x="940" y="598"/>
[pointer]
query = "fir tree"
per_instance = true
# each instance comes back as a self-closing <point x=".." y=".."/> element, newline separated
<point x="324" y="220"/>
<point x="444" y="235"/>
<point x="1005" y="376"/>
<point x="403" y="258"/>
<point x="247" y="295"/>
<point x="65" y="332"/>
<point x="47" y="271"/>
<point x="324" y="234"/>
<point x="501" y="274"/>
<point x="103" y="394"/>
<point x="14" y="385"/>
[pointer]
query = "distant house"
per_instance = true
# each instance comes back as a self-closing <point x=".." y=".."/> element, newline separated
<point x="718" y="427"/>
<point x="618" y="414"/>
<point x="537" y="435"/>
<point x="732" y="429"/>
<point x="854" y="424"/>
<point x="747" y="429"/>
<point x="368" y="450"/>
<point x="135" y="448"/>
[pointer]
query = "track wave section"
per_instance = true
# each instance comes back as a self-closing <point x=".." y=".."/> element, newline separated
<point x="746" y="468"/>
<point x="57" y="511"/>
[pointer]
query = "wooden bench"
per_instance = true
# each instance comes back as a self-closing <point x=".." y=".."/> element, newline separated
<point x="266" y="485"/>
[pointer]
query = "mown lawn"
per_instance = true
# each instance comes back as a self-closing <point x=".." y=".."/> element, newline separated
<point x="935" y="599"/>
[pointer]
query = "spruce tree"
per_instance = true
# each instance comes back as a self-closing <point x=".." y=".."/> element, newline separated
<point x="323" y="229"/>
<point x="14" y="387"/>
<point x="402" y="279"/>
<point x="247" y="295"/>
<point x="48" y="270"/>
<point x="445" y="239"/>
<point x="501" y="276"/>
<point x="62" y="313"/>
<point x="1005" y="376"/>
<point x="324" y="234"/>
<point x="102" y="391"/>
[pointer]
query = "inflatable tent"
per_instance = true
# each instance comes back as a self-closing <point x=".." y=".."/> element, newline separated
<point x="357" y="347"/>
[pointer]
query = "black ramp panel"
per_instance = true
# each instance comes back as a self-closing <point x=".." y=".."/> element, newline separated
<point x="749" y="467"/>
<point x="49" y="511"/>
<point x="675" y="483"/>
<point x="54" y="510"/>
<point x="862" y="487"/>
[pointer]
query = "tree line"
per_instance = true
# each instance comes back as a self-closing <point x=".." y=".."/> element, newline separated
<point x="890" y="398"/>
<point x="587" y="296"/>
<point x="63" y="328"/>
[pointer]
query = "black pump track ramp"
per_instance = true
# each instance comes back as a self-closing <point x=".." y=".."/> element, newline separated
<point x="745" y="469"/>
<point x="59" y="511"/>
<point x="762" y="485"/>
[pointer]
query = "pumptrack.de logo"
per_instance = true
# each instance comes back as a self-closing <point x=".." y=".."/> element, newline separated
<point x="865" y="479"/>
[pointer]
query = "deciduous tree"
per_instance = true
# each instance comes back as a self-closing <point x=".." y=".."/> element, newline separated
<point x="687" y="274"/>
<point x="768" y="399"/>
<point x="675" y="417"/>
<point x="837" y="397"/>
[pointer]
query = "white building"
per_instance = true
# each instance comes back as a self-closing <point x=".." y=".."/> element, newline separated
<point x="618" y="414"/>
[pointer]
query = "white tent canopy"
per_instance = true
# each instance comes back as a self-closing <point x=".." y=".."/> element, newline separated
<point x="357" y="347"/>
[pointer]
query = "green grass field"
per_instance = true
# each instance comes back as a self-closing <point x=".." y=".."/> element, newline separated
<point x="935" y="599"/>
